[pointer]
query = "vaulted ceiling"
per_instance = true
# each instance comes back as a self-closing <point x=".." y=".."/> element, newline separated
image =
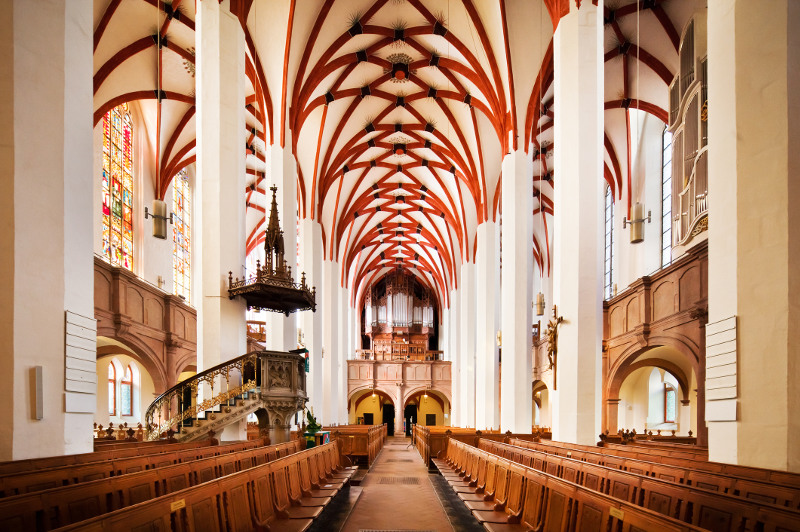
<point x="398" y="112"/>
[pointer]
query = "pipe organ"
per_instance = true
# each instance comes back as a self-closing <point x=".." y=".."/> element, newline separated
<point x="399" y="317"/>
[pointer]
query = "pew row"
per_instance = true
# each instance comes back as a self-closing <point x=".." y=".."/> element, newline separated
<point x="41" y="479"/>
<point x="430" y="441"/>
<point x="284" y="495"/>
<point x="509" y="497"/>
<point x="782" y="478"/>
<point x="758" y="490"/>
<point x="113" y="453"/>
<point x="359" y="441"/>
<point x="58" y="507"/>
<point x="709" y="509"/>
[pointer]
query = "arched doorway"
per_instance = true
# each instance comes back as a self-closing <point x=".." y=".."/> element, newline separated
<point x="409" y="416"/>
<point x="425" y="407"/>
<point x="367" y="407"/>
<point x="388" y="417"/>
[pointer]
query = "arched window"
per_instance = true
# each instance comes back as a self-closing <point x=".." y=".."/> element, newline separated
<point x="608" y="270"/>
<point x="118" y="187"/>
<point x="112" y="390"/>
<point x="670" y="403"/>
<point x="126" y="393"/>
<point x="182" y="251"/>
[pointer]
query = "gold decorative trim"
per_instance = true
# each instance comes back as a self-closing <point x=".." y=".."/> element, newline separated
<point x="702" y="225"/>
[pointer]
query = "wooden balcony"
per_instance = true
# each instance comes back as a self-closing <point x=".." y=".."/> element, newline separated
<point x="400" y="352"/>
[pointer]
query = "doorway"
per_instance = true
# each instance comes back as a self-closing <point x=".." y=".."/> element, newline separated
<point x="410" y="414"/>
<point x="388" y="418"/>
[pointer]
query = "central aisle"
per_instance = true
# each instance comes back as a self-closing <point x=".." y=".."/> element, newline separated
<point x="398" y="494"/>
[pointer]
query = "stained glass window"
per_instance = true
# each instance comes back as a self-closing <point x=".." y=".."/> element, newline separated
<point x="112" y="390"/>
<point x="670" y="404"/>
<point x="126" y="393"/>
<point x="118" y="187"/>
<point x="181" y="230"/>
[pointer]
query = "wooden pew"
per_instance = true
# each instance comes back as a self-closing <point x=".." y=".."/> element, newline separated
<point x="781" y="478"/>
<point x="32" y="464"/>
<point x="41" y="479"/>
<point x="359" y="441"/>
<point x="258" y="498"/>
<point x="53" y="508"/>
<point x="761" y="491"/>
<point x="526" y="499"/>
<point x="708" y="509"/>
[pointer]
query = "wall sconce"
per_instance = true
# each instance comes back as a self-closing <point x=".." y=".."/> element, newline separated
<point x="499" y="339"/>
<point x="637" y="222"/>
<point x="540" y="304"/>
<point x="160" y="218"/>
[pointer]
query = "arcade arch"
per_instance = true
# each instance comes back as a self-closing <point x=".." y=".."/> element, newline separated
<point x="542" y="412"/>
<point x="654" y="390"/>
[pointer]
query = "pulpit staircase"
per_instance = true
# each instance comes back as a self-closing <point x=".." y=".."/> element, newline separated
<point x="229" y="392"/>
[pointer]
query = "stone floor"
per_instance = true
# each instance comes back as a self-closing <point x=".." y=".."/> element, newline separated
<point x="398" y="494"/>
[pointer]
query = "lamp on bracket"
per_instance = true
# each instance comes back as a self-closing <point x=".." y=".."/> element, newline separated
<point x="159" y="216"/>
<point x="540" y="304"/>
<point x="636" y="222"/>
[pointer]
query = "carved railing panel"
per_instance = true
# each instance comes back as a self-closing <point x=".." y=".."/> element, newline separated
<point x="668" y="308"/>
<point x="160" y="327"/>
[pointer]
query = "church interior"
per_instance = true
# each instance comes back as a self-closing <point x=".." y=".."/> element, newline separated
<point x="380" y="265"/>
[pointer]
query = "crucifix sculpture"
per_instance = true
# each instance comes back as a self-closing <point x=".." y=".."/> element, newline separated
<point x="552" y="342"/>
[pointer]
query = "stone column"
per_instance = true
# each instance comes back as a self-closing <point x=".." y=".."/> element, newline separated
<point x="455" y="326"/>
<point x="685" y="418"/>
<point x="466" y="396"/>
<point x="281" y="172"/>
<point x="311" y="322"/>
<point x="752" y="340"/>
<point x="331" y="394"/>
<point x="47" y="320"/>
<point x="346" y="350"/>
<point x="487" y="323"/>
<point x="612" y="415"/>
<point x="516" y="409"/>
<point x="578" y="228"/>
<point x="220" y="183"/>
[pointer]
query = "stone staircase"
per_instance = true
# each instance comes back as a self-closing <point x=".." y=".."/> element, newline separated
<point x="262" y="382"/>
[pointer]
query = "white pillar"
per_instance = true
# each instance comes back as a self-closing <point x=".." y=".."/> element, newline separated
<point x="684" y="418"/>
<point x="516" y="412"/>
<point x="220" y="183"/>
<point x="47" y="214"/>
<point x="487" y="323"/>
<point x="330" y="341"/>
<point x="311" y="322"/>
<point x="753" y="255"/>
<point x="281" y="172"/>
<point x="467" y="354"/>
<point x="578" y="141"/>
<point x="345" y="350"/>
<point x="455" y="358"/>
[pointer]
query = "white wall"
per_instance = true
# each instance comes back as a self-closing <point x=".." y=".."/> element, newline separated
<point x="641" y="404"/>
<point x="632" y="261"/>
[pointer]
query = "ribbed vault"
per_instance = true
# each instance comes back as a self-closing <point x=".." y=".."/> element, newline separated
<point x="398" y="112"/>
